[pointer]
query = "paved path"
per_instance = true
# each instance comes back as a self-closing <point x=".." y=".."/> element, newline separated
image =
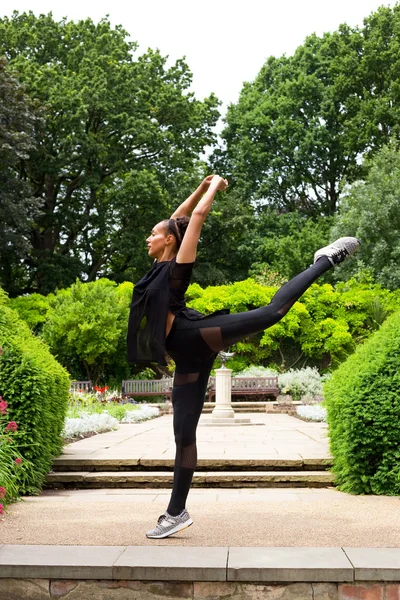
<point x="222" y="517"/>
<point x="276" y="436"/>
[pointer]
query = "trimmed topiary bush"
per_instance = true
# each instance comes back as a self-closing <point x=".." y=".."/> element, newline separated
<point x="35" y="387"/>
<point x="363" y="401"/>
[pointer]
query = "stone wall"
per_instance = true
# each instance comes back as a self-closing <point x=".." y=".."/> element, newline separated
<point x="45" y="589"/>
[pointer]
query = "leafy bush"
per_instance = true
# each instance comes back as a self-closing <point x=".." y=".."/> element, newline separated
<point x="86" y="329"/>
<point x="77" y="427"/>
<point x="320" y="330"/>
<point x="32" y="309"/>
<point x="300" y="382"/>
<point x="296" y="382"/>
<point x="35" y="388"/>
<point x="12" y="465"/>
<point x="141" y="414"/>
<point x="256" y="371"/>
<point x="312" y="413"/>
<point x="363" y="401"/>
<point x="86" y="325"/>
<point x="100" y="418"/>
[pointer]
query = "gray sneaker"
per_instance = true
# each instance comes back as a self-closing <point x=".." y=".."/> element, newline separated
<point x="167" y="525"/>
<point x="339" y="250"/>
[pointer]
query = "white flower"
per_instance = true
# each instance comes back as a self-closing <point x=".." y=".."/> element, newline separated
<point x="141" y="414"/>
<point x="89" y="423"/>
<point x="314" y="412"/>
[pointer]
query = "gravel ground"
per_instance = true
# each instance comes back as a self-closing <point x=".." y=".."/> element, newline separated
<point x="246" y="517"/>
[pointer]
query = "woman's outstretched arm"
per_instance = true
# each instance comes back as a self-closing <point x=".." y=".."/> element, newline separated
<point x="188" y="248"/>
<point x="187" y="207"/>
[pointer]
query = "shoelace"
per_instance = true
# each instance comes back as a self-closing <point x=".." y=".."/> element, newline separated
<point x="341" y="253"/>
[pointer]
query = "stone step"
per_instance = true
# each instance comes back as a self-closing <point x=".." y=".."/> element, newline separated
<point x="70" y="463"/>
<point x="162" y="479"/>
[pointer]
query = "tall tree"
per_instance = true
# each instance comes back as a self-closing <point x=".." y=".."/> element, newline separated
<point x="18" y="207"/>
<point x="119" y="131"/>
<point x="306" y="121"/>
<point x="370" y="210"/>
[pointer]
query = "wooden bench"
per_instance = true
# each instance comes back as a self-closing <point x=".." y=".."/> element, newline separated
<point x="246" y="386"/>
<point x="147" y="387"/>
<point x="81" y="386"/>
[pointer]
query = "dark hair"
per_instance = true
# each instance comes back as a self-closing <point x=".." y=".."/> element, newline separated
<point x="177" y="228"/>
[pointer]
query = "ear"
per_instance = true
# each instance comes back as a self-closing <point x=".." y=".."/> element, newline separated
<point x="170" y="239"/>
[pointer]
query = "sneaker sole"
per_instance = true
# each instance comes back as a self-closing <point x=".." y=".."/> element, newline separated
<point x="179" y="527"/>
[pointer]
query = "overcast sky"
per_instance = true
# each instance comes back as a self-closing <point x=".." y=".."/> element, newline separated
<point x="225" y="42"/>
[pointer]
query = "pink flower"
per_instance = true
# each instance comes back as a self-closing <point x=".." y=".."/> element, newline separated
<point x="2" y="492"/>
<point x="12" y="426"/>
<point x="18" y="461"/>
<point x="3" y="406"/>
<point x="1" y="509"/>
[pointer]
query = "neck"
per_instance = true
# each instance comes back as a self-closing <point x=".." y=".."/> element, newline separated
<point x="168" y="254"/>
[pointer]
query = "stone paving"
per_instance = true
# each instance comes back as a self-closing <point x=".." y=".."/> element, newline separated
<point x="278" y="436"/>
<point x="283" y="517"/>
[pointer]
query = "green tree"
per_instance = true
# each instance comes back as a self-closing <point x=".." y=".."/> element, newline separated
<point x="302" y="126"/>
<point x="18" y="207"/>
<point x="120" y="131"/>
<point x="286" y="243"/>
<point x="370" y="210"/>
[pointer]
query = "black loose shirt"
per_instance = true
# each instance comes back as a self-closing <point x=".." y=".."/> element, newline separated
<point x="162" y="289"/>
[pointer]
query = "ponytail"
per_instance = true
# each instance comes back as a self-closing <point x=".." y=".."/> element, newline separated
<point x="177" y="228"/>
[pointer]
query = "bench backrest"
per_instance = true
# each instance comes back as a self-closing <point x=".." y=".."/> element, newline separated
<point x="147" y="386"/>
<point x="250" y="383"/>
<point x="81" y="386"/>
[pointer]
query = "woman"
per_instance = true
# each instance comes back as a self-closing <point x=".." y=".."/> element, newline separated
<point x="159" y="321"/>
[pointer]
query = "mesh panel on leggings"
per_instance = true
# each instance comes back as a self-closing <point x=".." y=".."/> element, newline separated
<point x="184" y="378"/>
<point x="186" y="457"/>
<point x="213" y="338"/>
<point x="285" y="308"/>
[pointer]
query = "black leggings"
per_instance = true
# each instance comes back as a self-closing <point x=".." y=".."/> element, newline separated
<point x="194" y="346"/>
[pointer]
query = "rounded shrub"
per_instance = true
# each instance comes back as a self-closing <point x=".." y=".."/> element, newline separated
<point x="35" y="387"/>
<point x="86" y="329"/>
<point x="363" y="402"/>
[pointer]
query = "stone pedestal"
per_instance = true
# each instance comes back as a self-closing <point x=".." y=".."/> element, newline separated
<point x="223" y="414"/>
<point x="223" y="388"/>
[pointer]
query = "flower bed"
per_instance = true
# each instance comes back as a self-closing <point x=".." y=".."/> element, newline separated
<point x="103" y="410"/>
<point x="13" y="468"/>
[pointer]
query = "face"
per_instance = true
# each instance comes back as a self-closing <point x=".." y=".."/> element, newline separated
<point x="157" y="241"/>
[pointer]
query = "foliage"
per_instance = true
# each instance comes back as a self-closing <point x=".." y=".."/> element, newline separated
<point x="312" y="413"/>
<point x="320" y="330"/>
<point x="18" y="206"/>
<point x="86" y="329"/>
<point x="300" y="382"/>
<point x="35" y="387"/>
<point x="302" y="126"/>
<point x="370" y="210"/>
<point x="286" y="244"/>
<point x="78" y="427"/>
<point x="256" y="371"/>
<point x="296" y="382"/>
<point x="91" y="416"/>
<point x="363" y="401"/>
<point x="13" y="467"/>
<point x="119" y="143"/>
<point x="33" y="309"/>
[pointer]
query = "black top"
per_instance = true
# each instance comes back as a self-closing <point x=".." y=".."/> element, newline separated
<point x="162" y="289"/>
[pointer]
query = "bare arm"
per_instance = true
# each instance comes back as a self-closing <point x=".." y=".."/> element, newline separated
<point x="187" y="207"/>
<point x="188" y="248"/>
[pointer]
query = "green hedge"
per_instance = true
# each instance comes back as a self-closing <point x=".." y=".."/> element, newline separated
<point x="36" y="388"/>
<point x="363" y="401"/>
